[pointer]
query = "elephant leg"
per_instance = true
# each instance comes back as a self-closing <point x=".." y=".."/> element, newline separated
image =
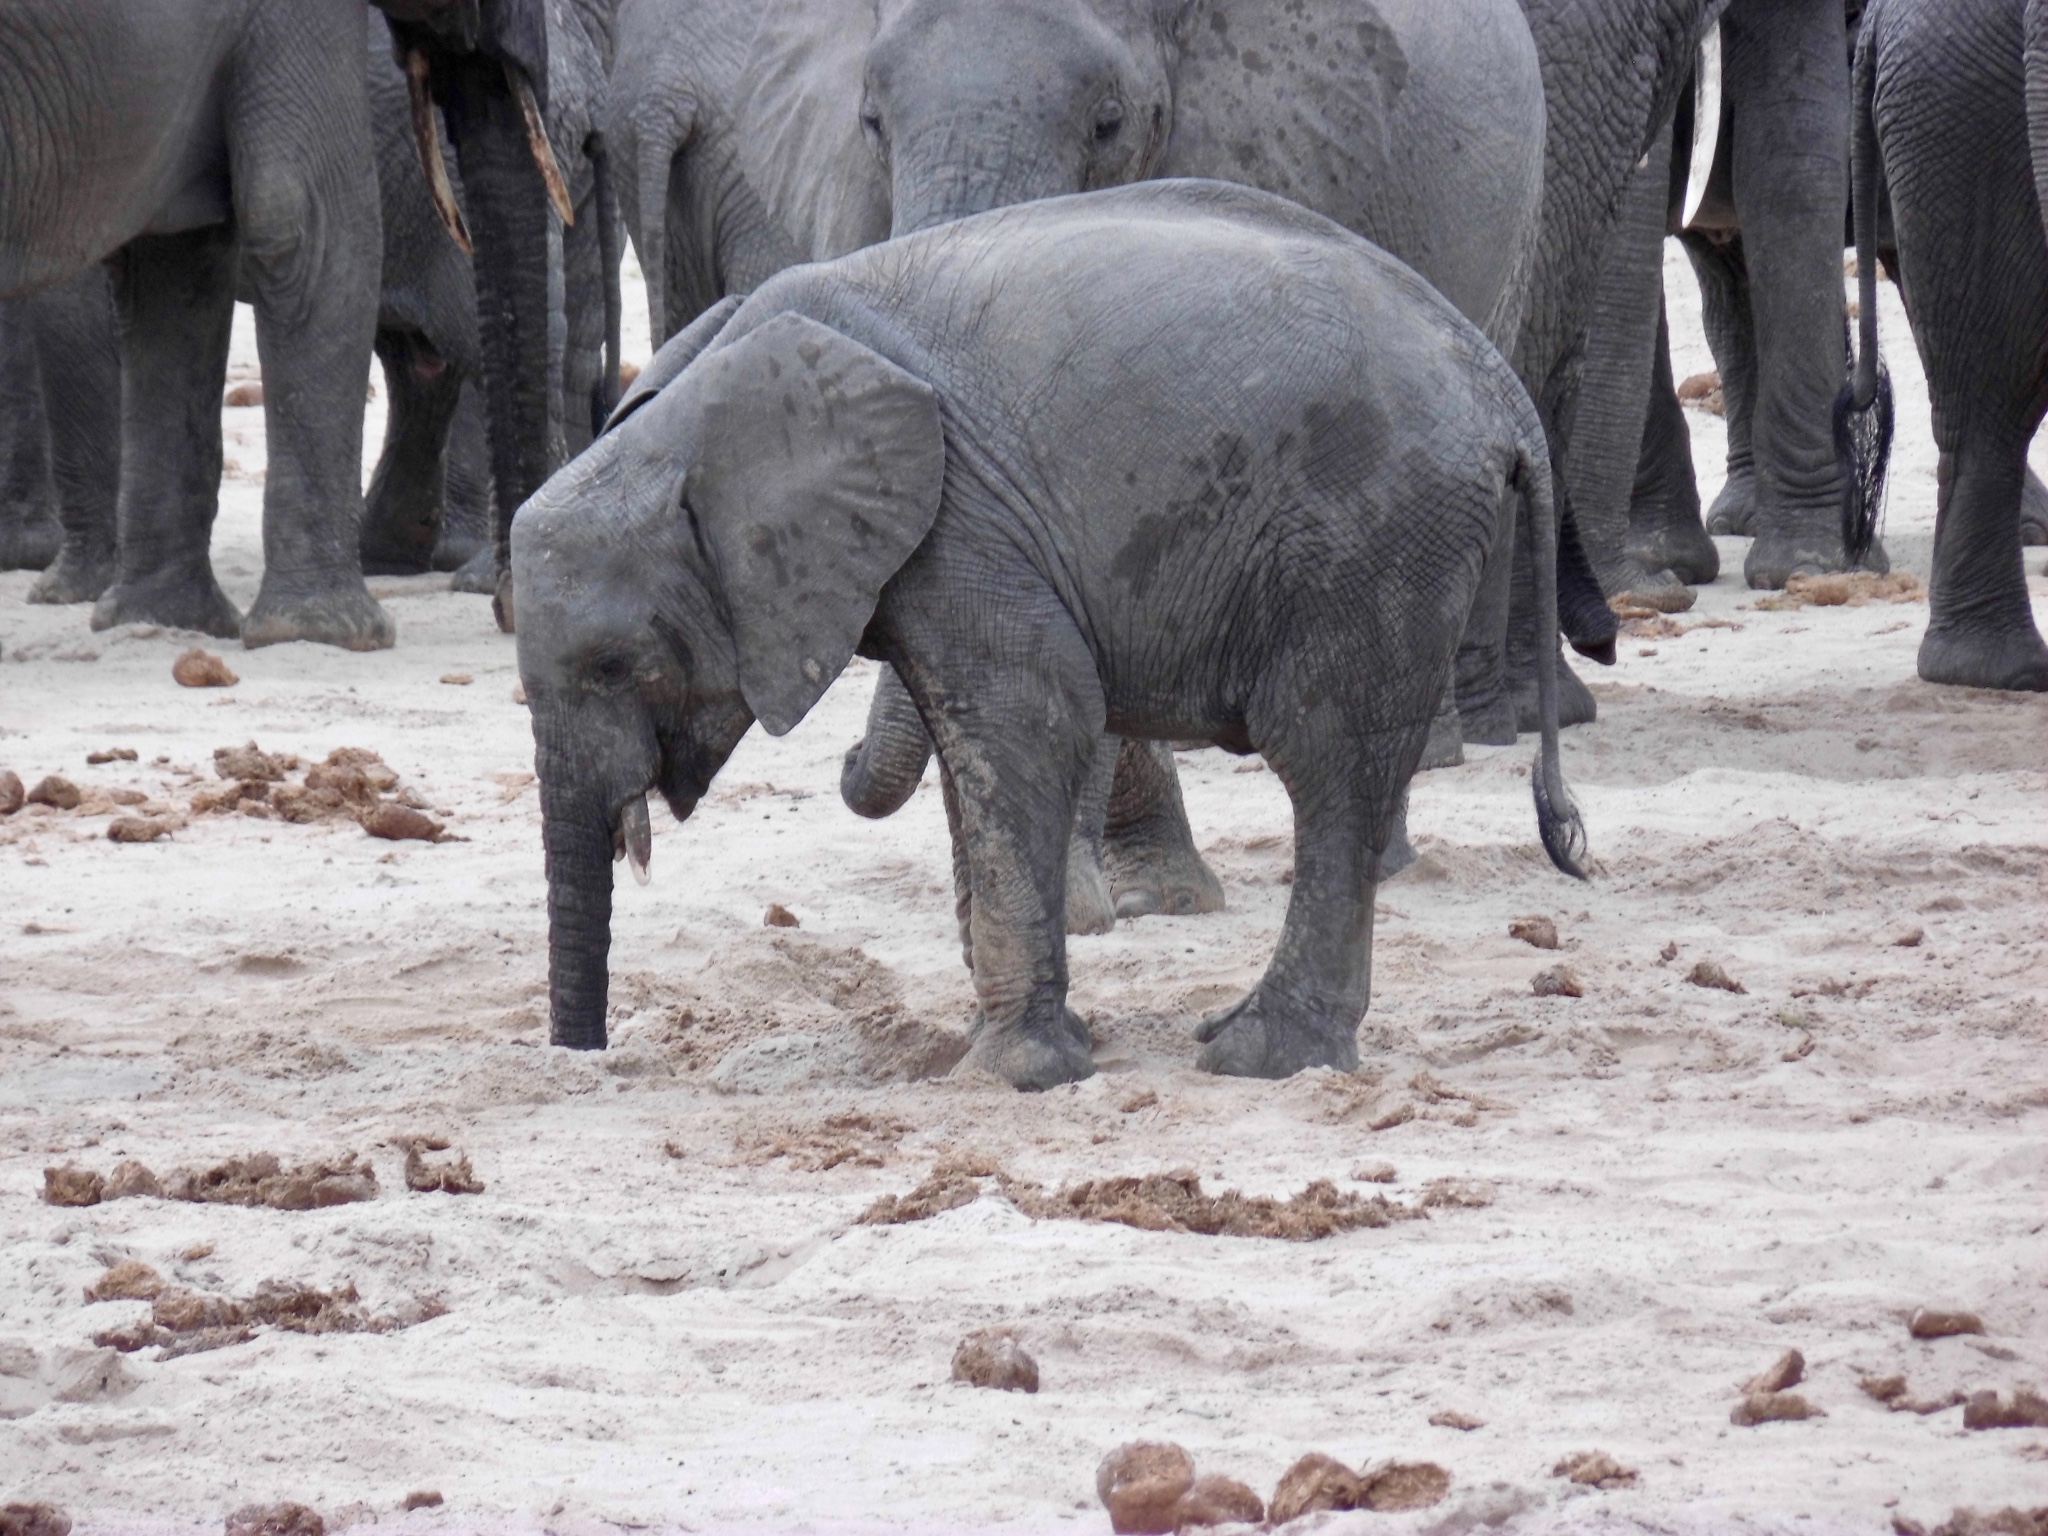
<point x="1486" y="709"/>
<point x="585" y="403"/>
<point x="1575" y="703"/>
<point x="1607" y="428"/>
<point x="306" y="212"/>
<point x="78" y="344"/>
<point x="29" y="531"/>
<point x="1980" y="626"/>
<point x="177" y="301"/>
<point x="1664" y="527"/>
<point x="1017" y="738"/>
<point x="1787" y="80"/>
<point x="1089" y="908"/>
<point x="2033" y="510"/>
<point x="402" y="510"/>
<point x="1724" y="311"/>
<point x="465" y="483"/>
<point x="1148" y="845"/>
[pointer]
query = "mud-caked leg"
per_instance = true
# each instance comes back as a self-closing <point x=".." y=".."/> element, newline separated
<point x="1148" y="846"/>
<point x="176" y="295"/>
<point x="1089" y="909"/>
<point x="78" y="344"/>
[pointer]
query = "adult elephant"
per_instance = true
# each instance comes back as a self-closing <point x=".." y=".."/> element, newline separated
<point x="1951" y="110"/>
<point x="702" y="230"/>
<point x="428" y="501"/>
<point x="187" y="143"/>
<point x="1415" y="124"/>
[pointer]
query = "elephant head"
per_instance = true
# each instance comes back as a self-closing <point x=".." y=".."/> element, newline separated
<point x="876" y="117"/>
<point x="713" y="559"/>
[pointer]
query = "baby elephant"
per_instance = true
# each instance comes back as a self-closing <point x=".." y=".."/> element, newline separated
<point x="1179" y="460"/>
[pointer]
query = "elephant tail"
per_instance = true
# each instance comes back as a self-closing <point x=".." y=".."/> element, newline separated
<point x="1557" y="818"/>
<point x="883" y="769"/>
<point x="1863" y="410"/>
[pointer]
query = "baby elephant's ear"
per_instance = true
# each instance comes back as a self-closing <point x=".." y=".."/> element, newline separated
<point x="818" y="471"/>
<point x="676" y="354"/>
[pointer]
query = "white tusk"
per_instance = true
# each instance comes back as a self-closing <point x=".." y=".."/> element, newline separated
<point x="1706" y="125"/>
<point x="638" y="836"/>
<point x="426" y="138"/>
<point x="537" y="141"/>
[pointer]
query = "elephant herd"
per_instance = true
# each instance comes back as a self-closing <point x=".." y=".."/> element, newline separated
<point x="1093" y="469"/>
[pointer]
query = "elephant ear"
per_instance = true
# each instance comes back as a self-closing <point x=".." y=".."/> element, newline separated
<point x="676" y="354"/>
<point x="818" y="471"/>
<point x="801" y="143"/>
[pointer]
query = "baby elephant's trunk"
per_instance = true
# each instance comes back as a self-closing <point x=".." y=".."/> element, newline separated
<point x="884" y="768"/>
<point x="1557" y="819"/>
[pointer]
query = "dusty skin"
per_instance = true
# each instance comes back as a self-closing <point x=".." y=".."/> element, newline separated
<point x="663" y="1312"/>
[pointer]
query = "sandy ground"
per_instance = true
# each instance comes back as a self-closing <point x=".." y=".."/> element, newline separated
<point x="663" y="1311"/>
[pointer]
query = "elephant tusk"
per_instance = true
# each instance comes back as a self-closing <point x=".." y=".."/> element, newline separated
<point x="426" y="138"/>
<point x="537" y="141"/>
<point x="1706" y="125"/>
<point x="637" y="837"/>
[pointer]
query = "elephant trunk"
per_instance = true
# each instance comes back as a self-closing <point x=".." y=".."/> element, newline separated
<point x="1863" y="410"/>
<point x="883" y="769"/>
<point x="578" y="838"/>
<point x="509" y="213"/>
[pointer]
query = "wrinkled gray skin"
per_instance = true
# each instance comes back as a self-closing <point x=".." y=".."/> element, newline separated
<point x="987" y="455"/>
<point x="700" y="228"/>
<point x="1766" y="247"/>
<point x="185" y="142"/>
<point x="1415" y="124"/>
<point x="60" y="423"/>
<point x="428" y="505"/>
<point x="1951" y="103"/>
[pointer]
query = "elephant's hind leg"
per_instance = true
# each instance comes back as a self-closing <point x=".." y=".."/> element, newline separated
<point x="1980" y="628"/>
<point x="176" y="295"/>
<point x="78" y="344"/>
<point x="1148" y="848"/>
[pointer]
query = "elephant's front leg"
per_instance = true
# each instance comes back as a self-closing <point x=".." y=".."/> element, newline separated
<point x="1664" y="528"/>
<point x="78" y="345"/>
<point x="1016" y="717"/>
<point x="29" y="534"/>
<point x="1148" y="847"/>
<point x="176" y="295"/>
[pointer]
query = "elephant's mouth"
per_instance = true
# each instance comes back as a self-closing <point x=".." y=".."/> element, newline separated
<point x="633" y="837"/>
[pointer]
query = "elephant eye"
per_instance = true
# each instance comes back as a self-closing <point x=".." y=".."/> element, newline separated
<point x="611" y="670"/>
<point x="870" y="118"/>
<point x="1109" y="120"/>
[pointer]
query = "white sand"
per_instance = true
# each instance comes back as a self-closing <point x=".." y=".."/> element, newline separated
<point x="702" y="1338"/>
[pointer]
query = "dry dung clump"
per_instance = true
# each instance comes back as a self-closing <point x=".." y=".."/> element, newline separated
<point x="243" y="395"/>
<point x="33" y="1520"/>
<point x="275" y="1520"/>
<point x="1709" y="973"/>
<point x="111" y="755"/>
<point x="422" y="1498"/>
<point x="1318" y="1482"/>
<point x="1891" y="1391"/>
<point x="1140" y="1483"/>
<point x="992" y="1358"/>
<point x="1967" y="1522"/>
<point x="1788" y="1370"/>
<point x="199" y="668"/>
<point x="1772" y="1408"/>
<point x="1845" y="589"/>
<point x="1558" y="981"/>
<point x="779" y="916"/>
<point x="129" y="1280"/>
<point x="1457" y="1194"/>
<point x="12" y="798"/>
<point x="1595" y="1469"/>
<point x="454" y="1177"/>
<point x="1929" y="1323"/>
<point x="137" y="829"/>
<point x="1537" y="932"/>
<point x="351" y="782"/>
<point x="2025" y="1409"/>
<point x="252" y="762"/>
<point x="1451" y="1418"/>
<point x="1216" y="1500"/>
<point x="190" y="1322"/>
<point x="1702" y="391"/>
<point x="851" y="1138"/>
<point x="1374" y="1173"/>
<point x="1144" y="1098"/>
<point x="259" y="1179"/>
<point x="57" y="792"/>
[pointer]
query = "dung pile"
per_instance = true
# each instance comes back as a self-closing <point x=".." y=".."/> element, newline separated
<point x="351" y="783"/>
<point x="259" y="1179"/>
<point x="183" y="1322"/>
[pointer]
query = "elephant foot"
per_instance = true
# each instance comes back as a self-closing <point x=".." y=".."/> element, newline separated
<point x="2013" y="659"/>
<point x="1264" y="1037"/>
<point x="1653" y="588"/>
<point x="75" y="578"/>
<point x="478" y="573"/>
<point x="501" y="602"/>
<point x="1734" y="510"/>
<point x="346" y="616"/>
<point x="1487" y="720"/>
<point x="1679" y="548"/>
<point x="1446" y="745"/>
<point x="176" y="600"/>
<point x="1575" y="702"/>
<point x="1031" y="1060"/>
<point x="1152" y="878"/>
<point x="1777" y="556"/>
<point x="456" y="550"/>
<point x="29" y="538"/>
<point x="1089" y="906"/>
